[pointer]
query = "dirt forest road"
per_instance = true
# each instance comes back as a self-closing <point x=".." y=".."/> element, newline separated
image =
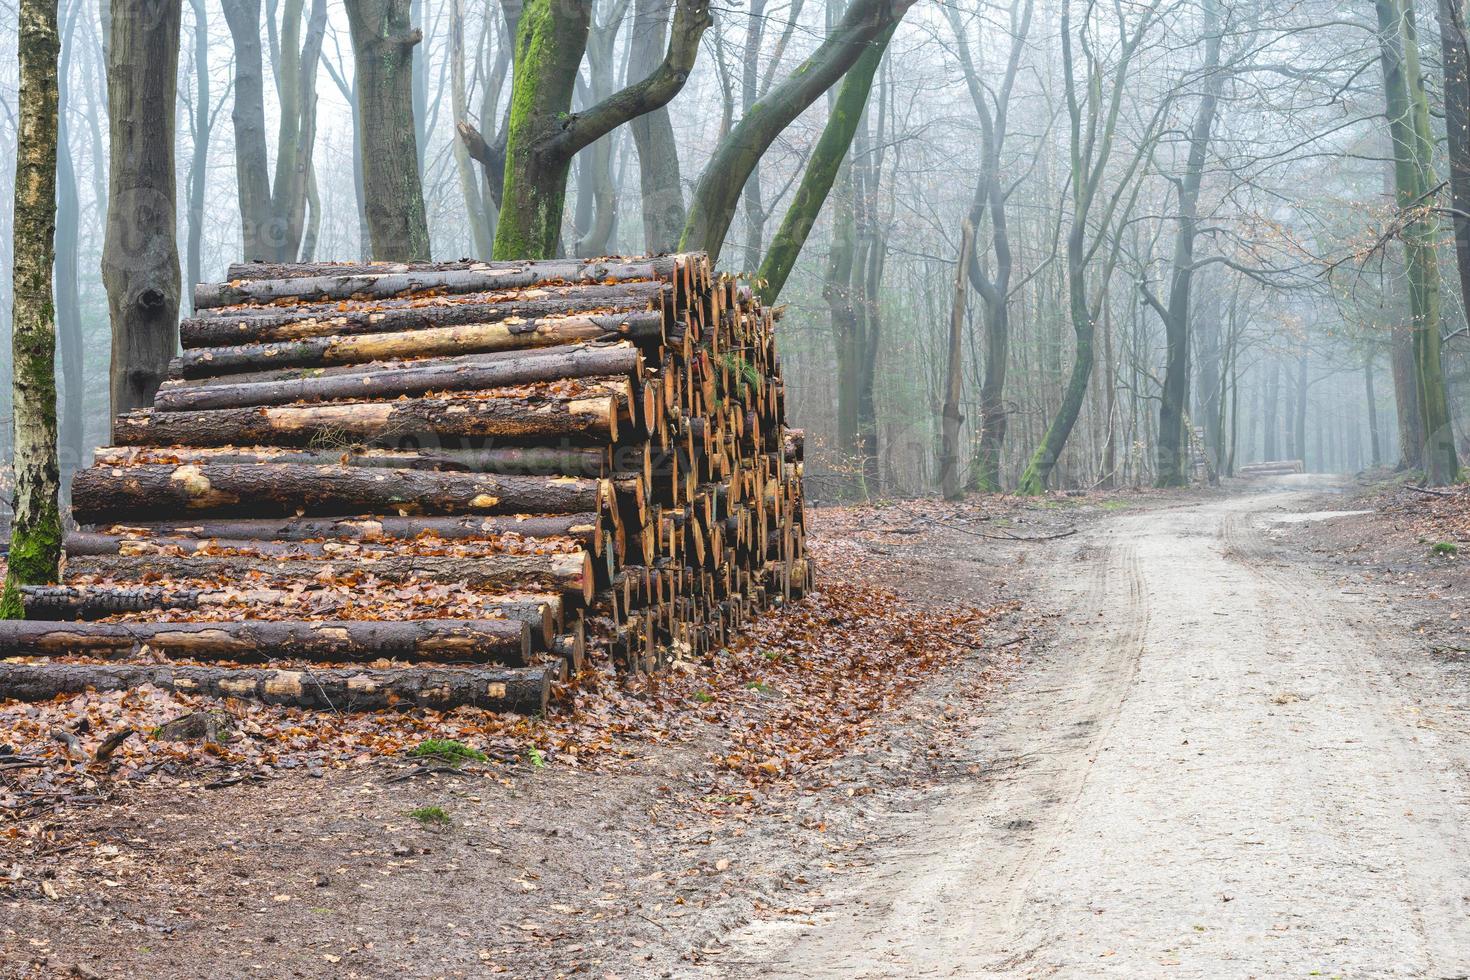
<point x="1228" y="765"/>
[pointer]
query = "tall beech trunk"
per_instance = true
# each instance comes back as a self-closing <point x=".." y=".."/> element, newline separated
<point x="35" y="533"/>
<point x="469" y="186"/>
<point x="1455" y="51"/>
<point x="140" y="259"/>
<point x="1408" y="119"/>
<point x="544" y="134"/>
<point x="735" y="158"/>
<point x="821" y="170"/>
<point x="994" y="284"/>
<point x="68" y="297"/>
<point x="653" y="134"/>
<point x="383" y="40"/>
<point x="199" y="158"/>
<point x="1173" y="447"/>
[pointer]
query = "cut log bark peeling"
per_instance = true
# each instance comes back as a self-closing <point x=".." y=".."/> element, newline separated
<point x="522" y="691"/>
<point x="438" y="640"/>
<point x="102" y="494"/>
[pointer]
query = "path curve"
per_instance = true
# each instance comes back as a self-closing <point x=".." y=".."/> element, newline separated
<point x="1226" y="767"/>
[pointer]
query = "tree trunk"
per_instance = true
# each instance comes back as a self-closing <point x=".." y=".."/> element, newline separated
<point x="544" y="135"/>
<point x="199" y="159"/>
<point x="140" y="260"/>
<point x="1173" y="447"/>
<point x="821" y="170"/>
<point x="469" y="186"/>
<point x="523" y="690"/>
<point x="737" y="155"/>
<point x="950" y="484"/>
<point x="35" y="533"/>
<point x="1271" y="418"/>
<point x="1371" y="398"/>
<point x="1408" y="117"/>
<point x="383" y="40"/>
<point x="653" y="134"/>
<point x="68" y="297"/>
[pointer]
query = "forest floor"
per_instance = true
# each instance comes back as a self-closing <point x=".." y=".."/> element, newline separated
<point x="977" y="751"/>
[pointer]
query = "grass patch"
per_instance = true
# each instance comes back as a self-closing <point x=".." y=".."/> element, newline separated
<point x="1114" y="505"/>
<point x="1445" y="548"/>
<point x="430" y="816"/>
<point x="448" y="751"/>
<point x="536" y="757"/>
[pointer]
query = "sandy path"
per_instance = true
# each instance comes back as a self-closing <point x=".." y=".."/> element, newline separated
<point x="1227" y="767"/>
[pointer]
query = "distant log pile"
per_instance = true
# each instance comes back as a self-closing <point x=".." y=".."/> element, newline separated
<point x="431" y="485"/>
<point x="1279" y="467"/>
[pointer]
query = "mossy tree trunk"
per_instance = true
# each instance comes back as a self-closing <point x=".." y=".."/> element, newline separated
<point x="821" y="170"/>
<point x="140" y="258"/>
<point x="544" y="135"/>
<point x="35" y="534"/>
<point x="383" y="40"/>
<point x="724" y="179"/>
<point x="1408" y="118"/>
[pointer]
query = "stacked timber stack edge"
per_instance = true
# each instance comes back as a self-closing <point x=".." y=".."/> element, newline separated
<point x="368" y="486"/>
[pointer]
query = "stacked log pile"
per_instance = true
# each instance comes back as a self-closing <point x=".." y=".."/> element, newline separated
<point x="368" y="485"/>
<point x="1277" y="467"/>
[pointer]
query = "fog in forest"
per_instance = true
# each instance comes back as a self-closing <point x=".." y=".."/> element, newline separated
<point x="1065" y="244"/>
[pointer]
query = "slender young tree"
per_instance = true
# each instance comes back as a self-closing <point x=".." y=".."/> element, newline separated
<point x="1093" y="136"/>
<point x="951" y="418"/>
<point x="273" y="212"/>
<point x="68" y="263"/>
<point x="140" y="259"/>
<point x="821" y="169"/>
<point x="383" y="40"/>
<point x="993" y="281"/>
<point x="35" y="533"/>
<point x="735" y="158"/>
<point x="1173" y="465"/>
<point x="653" y="133"/>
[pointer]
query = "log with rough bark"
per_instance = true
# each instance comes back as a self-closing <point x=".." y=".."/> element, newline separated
<point x="328" y="641"/>
<point x="512" y="460"/>
<point x="269" y="324"/>
<point x="570" y="573"/>
<point x="586" y="529"/>
<point x="521" y="690"/>
<point x="153" y="492"/>
<point x="414" y="378"/>
<point x="510" y="334"/>
<point x="590" y="417"/>
<point x="56" y="603"/>
<point x="333" y="283"/>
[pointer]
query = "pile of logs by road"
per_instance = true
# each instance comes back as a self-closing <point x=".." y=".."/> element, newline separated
<point x="437" y="485"/>
<point x="1277" y="467"/>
